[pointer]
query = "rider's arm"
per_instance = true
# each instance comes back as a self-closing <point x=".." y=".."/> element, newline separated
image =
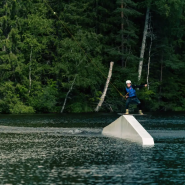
<point x="138" y="86"/>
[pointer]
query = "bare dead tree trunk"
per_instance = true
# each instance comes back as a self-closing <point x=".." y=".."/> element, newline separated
<point x="109" y="106"/>
<point x="30" y="80"/>
<point x="122" y="37"/>
<point x="105" y="88"/>
<point x="70" y="89"/>
<point x="4" y="46"/>
<point x="143" y="44"/>
<point x="149" y="57"/>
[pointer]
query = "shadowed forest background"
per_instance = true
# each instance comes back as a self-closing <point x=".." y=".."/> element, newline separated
<point x="39" y="60"/>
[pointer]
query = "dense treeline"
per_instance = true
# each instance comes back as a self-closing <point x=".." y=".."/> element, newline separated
<point x="41" y="65"/>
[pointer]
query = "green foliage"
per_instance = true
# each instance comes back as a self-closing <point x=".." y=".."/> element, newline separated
<point x="44" y="99"/>
<point x="80" y="104"/>
<point x="10" y="101"/>
<point x="39" y="59"/>
<point x="78" y="107"/>
<point x="20" y="108"/>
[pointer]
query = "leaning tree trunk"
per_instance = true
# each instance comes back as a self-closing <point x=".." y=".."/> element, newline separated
<point x="122" y="36"/>
<point x="30" y="80"/>
<point x="64" y="104"/>
<point x="149" y="57"/>
<point x="5" y="27"/>
<point x="105" y="88"/>
<point x="143" y="44"/>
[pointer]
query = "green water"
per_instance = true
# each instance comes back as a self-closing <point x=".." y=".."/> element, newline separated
<point x="70" y="149"/>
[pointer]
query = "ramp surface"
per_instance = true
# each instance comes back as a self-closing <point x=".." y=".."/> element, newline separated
<point x="127" y="127"/>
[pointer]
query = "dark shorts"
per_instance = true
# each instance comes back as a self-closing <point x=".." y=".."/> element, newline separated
<point x="133" y="100"/>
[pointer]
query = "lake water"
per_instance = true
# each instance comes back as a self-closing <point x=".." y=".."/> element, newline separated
<point x="70" y="149"/>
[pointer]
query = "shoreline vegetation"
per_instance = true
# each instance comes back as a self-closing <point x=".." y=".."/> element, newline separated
<point x="43" y="69"/>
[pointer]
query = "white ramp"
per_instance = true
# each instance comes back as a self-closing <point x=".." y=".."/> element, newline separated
<point x="127" y="127"/>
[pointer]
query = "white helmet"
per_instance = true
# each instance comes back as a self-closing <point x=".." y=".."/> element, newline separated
<point x="128" y="82"/>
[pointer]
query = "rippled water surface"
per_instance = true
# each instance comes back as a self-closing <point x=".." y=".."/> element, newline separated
<point x="70" y="149"/>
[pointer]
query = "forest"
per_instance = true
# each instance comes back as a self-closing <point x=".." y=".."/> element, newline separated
<point x="55" y="55"/>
